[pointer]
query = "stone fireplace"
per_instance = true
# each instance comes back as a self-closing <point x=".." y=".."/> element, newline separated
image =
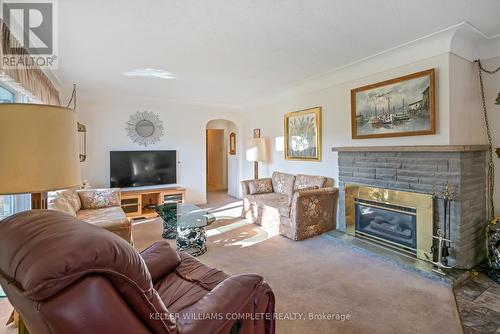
<point x="383" y="191"/>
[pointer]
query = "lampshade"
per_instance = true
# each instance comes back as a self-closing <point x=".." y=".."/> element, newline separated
<point x="497" y="101"/>
<point x="256" y="150"/>
<point x="39" y="148"/>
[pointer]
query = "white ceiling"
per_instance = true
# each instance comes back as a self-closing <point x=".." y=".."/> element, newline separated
<point x="235" y="51"/>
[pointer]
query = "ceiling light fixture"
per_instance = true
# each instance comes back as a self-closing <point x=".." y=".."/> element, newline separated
<point x="149" y="73"/>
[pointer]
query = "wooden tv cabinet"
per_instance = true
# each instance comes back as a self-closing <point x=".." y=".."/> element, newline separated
<point x="141" y="203"/>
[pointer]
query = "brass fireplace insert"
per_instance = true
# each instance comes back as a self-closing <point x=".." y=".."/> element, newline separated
<point x="420" y="205"/>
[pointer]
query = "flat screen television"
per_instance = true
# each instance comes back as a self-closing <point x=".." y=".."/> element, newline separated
<point x="142" y="168"/>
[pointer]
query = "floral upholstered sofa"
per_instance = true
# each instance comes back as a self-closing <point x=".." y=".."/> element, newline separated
<point x="100" y="207"/>
<point x="297" y="207"/>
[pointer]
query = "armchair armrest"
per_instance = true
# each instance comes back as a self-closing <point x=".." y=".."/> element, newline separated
<point x="314" y="211"/>
<point x="233" y="295"/>
<point x="160" y="259"/>
<point x="245" y="185"/>
<point x="308" y="192"/>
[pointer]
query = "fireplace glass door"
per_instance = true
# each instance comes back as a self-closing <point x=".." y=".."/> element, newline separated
<point x="385" y="222"/>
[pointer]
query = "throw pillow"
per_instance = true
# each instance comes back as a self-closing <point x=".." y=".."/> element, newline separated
<point x="72" y="197"/>
<point x="61" y="204"/>
<point x="260" y="187"/>
<point x="66" y="201"/>
<point x="99" y="198"/>
<point x="305" y="181"/>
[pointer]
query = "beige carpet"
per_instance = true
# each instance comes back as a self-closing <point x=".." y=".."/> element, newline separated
<point x="318" y="276"/>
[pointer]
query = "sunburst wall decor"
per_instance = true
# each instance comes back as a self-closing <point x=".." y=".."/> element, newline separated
<point x="145" y="128"/>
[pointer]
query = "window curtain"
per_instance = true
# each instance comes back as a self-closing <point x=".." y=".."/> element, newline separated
<point x="31" y="79"/>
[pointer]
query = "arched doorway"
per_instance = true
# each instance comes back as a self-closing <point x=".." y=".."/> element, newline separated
<point x="221" y="162"/>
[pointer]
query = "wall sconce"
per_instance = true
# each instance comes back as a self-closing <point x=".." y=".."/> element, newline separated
<point x="498" y="152"/>
<point x="83" y="130"/>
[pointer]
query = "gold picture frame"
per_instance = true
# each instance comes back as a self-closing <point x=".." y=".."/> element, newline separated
<point x="232" y="143"/>
<point x="303" y="135"/>
<point x="403" y="106"/>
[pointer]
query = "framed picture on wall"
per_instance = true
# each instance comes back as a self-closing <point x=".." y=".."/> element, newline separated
<point x="232" y="143"/>
<point x="303" y="135"/>
<point x="398" y="107"/>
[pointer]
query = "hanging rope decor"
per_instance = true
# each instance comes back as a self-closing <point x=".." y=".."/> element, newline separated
<point x="491" y="166"/>
<point x="73" y="98"/>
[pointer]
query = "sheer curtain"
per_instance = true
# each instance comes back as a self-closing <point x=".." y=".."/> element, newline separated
<point x="11" y="204"/>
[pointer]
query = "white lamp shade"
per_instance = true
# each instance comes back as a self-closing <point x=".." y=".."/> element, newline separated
<point x="39" y="148"/>
<point x="256" y="150"/>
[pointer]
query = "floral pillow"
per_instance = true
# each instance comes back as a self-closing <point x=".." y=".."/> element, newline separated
<point x="260" y="186"/>
<point x="283" y="183"/>
<point x="66" y="201"/>
<point x="306" y="181"/>
<point x="99" y="198"/>
<point x="61" y="204"/>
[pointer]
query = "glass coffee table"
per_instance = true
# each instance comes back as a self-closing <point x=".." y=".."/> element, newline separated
<point x="186" y="224"/>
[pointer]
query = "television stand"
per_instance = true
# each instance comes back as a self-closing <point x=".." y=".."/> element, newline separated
<point x="141" y="203"/>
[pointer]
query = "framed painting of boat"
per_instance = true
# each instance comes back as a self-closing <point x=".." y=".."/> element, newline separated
<point x="398" y="107"/>
<point x="303" y="135"/>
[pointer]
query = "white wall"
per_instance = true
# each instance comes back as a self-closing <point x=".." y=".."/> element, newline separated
<point x="336" y="114"/>
<point x="184" y="131"/>
<point x="466" y="121"/>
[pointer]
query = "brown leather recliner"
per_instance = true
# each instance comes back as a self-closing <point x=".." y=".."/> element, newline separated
<point x="66" y="276"/>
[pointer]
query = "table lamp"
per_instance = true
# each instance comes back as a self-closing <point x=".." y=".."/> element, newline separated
<point x="39" y="150"/>
<point x="256" y="152"/>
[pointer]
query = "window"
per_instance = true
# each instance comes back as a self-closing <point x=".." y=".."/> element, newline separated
<point x="6" y="96"/>
<point x="11" y="204"/>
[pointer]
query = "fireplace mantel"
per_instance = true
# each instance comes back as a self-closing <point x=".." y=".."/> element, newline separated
<point x="420" y="148"/>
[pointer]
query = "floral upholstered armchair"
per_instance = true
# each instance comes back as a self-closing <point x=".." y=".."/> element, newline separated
<point x="298" y="207"/>
<point x="100" y="207"/>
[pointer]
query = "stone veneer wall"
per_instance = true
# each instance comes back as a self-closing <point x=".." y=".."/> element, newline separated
<point x="420" y="172"/>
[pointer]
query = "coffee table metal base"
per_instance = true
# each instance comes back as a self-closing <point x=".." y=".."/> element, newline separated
<point x="192" y="240"/>
<point x="169" y="231"/>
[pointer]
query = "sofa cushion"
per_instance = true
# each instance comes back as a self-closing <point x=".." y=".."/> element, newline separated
<point x="263" y="186"/>
<point x="99" y="198"/>
<point x="108" y="218"/>
<point x="277" y="201"/>
<point x="66" y="201"/>
<point x="283" y="183"/>
<point x="307" y="181"/>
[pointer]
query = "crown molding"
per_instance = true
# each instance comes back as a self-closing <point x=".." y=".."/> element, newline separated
<point x="462" y="39"/>
<point x="471" y="43"/>
<point x="90" y="96"/>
